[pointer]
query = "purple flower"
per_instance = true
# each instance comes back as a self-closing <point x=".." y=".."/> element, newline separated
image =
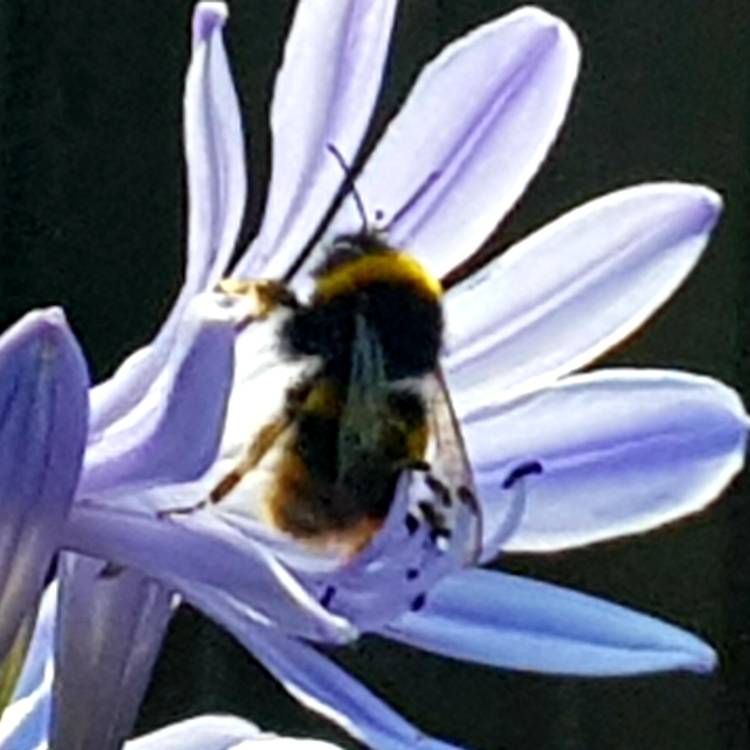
<point x="25" y="722"/>
<point x="560" y="460"/>
<point x="43" y="413"/>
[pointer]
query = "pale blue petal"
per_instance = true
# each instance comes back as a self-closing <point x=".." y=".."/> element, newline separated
<point x="174" y="433"/>
<point x="214" y="152"/>
<point x="176" y="550"/>
<point x="110" y="626"/>
<point x="217" y="732"/>
<point x="24" y="724"/>
<point x="472" y="134"/>
<point x="217" y="186"/>
<point x="623" y="451"/>
<point x="325" y="93"/>
<point x="43" y="415"/>
<point x="25" y="721"/>
<point x="318" y="684"/>
<point x="572" y="290"/>
<point x="516" y="623"/>
<point x="199" y="733"/>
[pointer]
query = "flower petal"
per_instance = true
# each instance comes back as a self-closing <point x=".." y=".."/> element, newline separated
<point x="516" y="623"/>
<point x="175" y="549"/>
<point x="198" y="733"/>
<point x="24" y="725"/>
<point x="174" y="433"/>
<point x="110" y="626"/>
<point x="320" y="685"/>
<point x="43" y="415"/>
<point x="217" y="187"/>
<point x="220" y="733"/>
<point x="622" y="451"/>
<point x="573" y="290"/>
<point x="472" y="134"/>
<point x="325" y="93"/>
<point x="25" y="722"/>
<point x="214" y="151"/>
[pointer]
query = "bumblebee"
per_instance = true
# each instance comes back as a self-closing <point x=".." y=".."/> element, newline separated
<point x="372" y="405"/>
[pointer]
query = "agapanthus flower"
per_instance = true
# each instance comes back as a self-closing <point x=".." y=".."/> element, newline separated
<point x="559" y="460"/>
<point x="25" y="724"/>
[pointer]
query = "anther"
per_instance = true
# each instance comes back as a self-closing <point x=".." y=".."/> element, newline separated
<point x="521" y="471"/>
<point x="412" y="523"/>
<point x="415" y="464"/>
<point x="440" y="532"/>
<point x="412" y="574"/>
<point x="432" y="516"/>
<point x="466" y="496"/>
<point x="111" y="570"/>
<point x="418" y="602"/>
<point x="439" y="489"/>
<point x="327" y="597"/>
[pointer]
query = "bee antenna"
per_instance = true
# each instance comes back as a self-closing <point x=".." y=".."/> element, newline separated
<point x="350" y="186"/>
<point x="413" y="198"/>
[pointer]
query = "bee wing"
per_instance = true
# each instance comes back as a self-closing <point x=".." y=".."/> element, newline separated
<point x="450" y="466"/>
<point x="366" y="398"/>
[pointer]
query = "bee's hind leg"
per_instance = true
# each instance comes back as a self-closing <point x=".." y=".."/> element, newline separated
<point x="258" y="448"/>
<point x="255" y="452"/>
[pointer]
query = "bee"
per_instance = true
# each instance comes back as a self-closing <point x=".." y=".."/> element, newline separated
<point x="372" y="405"/>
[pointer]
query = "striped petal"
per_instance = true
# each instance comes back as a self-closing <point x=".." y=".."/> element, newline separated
<point x="214" y="152"/>
<point x="174" y="550"/>
<point x="623" y="451"/>
<point x="516" y="623"/>
<point x="325" y="93"/>
<point x="320" y="685"/>
<point x="573" y="290"/>
<point x="43" y="415"/>
<point x="24" y="725"/>
<point x="472" y="134"/>
<point x="173" y="435"/>
<point x="110" y="625"/>
<point x="220" y="733"/>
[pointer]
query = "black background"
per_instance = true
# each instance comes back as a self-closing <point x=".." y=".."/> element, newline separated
<point x="92" y="218"/>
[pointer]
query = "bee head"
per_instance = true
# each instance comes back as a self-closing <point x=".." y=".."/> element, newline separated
<point x="349" y="248"/>
<point x="358" y="263"/>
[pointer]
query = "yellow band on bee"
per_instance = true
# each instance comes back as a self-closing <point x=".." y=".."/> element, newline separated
<point x="387" y="267"/>
<point x="416" y="442"/>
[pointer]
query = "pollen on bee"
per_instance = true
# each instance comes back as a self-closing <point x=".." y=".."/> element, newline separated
<point x="262" y="296"/>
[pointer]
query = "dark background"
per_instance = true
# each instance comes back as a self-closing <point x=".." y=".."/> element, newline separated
<point x="92" y="217"/>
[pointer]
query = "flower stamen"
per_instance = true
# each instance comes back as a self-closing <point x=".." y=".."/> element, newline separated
<point x="521" y="471"/>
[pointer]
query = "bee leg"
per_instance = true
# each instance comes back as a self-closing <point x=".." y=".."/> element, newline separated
<point x="253" y="456"/>
<point x="255" y="452"/>
<point x="181" y="511"/>
<point x="440" y="490"/>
